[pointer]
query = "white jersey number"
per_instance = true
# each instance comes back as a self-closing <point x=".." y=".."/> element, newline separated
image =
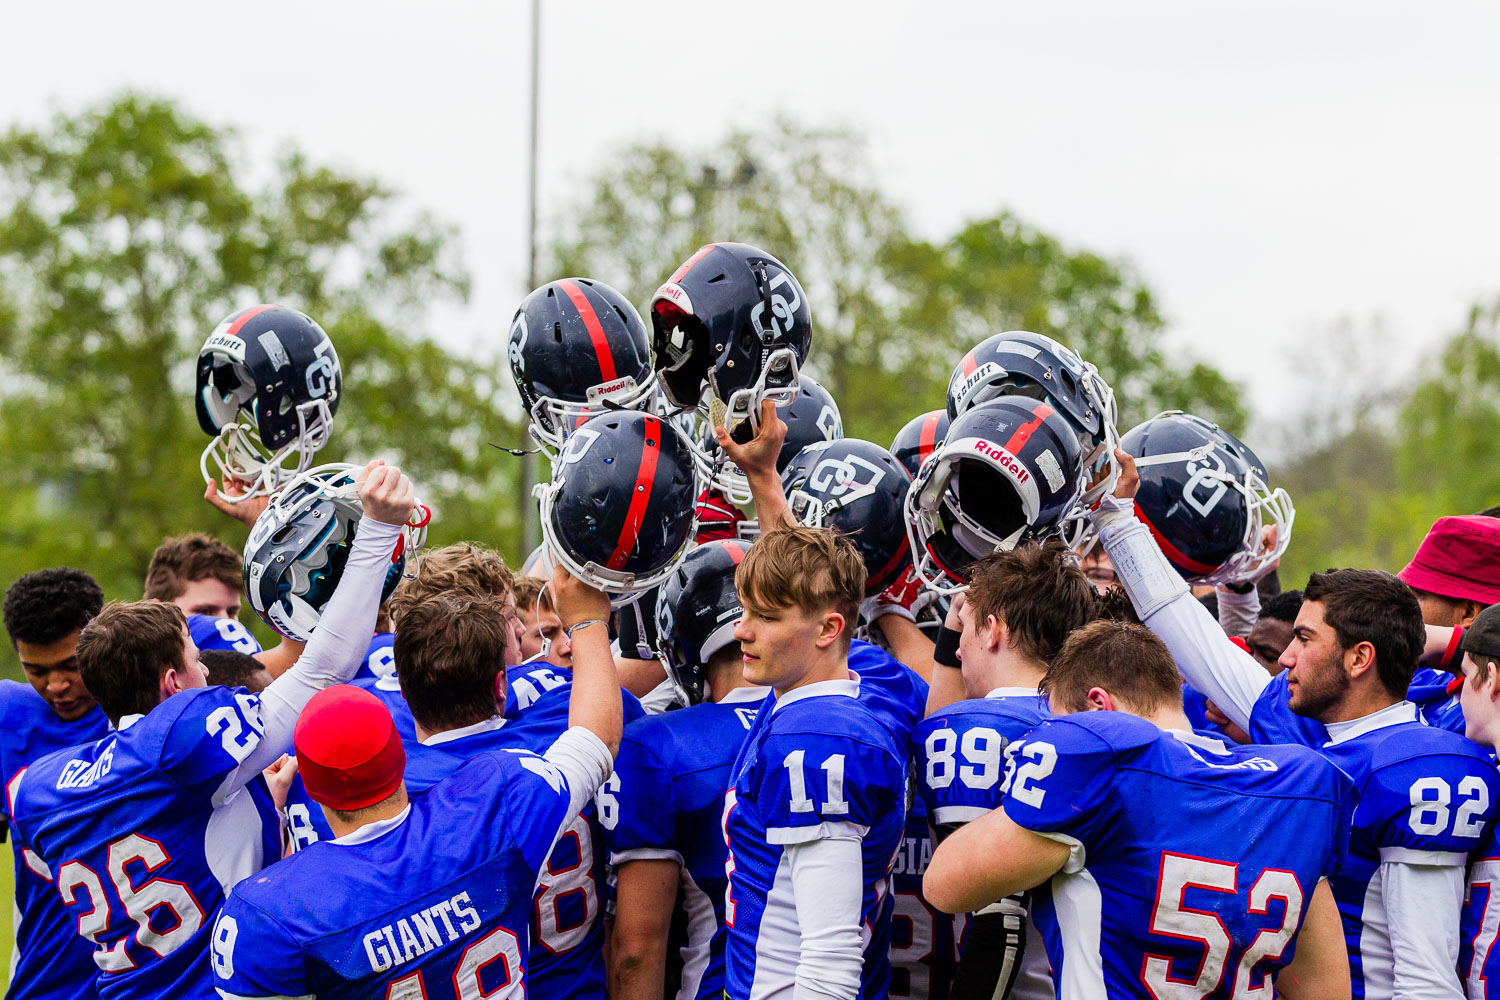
<point x="1430" y="801"/>
<point x="558" y="883"/>
<point x="1175" y="919"/>
<point x="184" y="914"/>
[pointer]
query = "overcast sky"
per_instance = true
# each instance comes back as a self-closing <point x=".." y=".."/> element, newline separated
<point x="1270" y="168"/>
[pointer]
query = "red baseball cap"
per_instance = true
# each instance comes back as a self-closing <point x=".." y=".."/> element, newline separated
<point x="348" y="751"/>
<point x="1459" y="558"/>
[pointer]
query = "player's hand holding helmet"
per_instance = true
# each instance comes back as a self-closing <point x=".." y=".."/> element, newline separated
<point x="697" y="609"/>
<point x="1009" y="470"/>
<point x="1205" y="497"/>
<point x="1031" y="365"/>
<point x="618" y="512"/>
<point x="268" y="385"/>
<point x="578" y="347"/>
<point x="857" y="487"/>
<point x="812" y="416"/>
<point x="295" y="554"/>
<point x="732" y="320"/>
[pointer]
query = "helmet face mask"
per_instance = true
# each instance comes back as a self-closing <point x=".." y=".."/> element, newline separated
<point x="811" y="417"/>
<point x="268" y="384"/>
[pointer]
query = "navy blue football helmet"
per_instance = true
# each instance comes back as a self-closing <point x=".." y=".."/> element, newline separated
<point x="1020" y="363"/>
<point x="296" y="551"/>
<point x="734" y="319"/>
<point x="697" y="609"/>
<point x="268" y="385"/>
<point x="811" y="417"/>
<point x="619" y="511"/>
<point x="576" y="347"/>
<point x="857" y="487"/>
<point x="1010" y="470"/>
<point x="1204" y="496"/>
<point x="921" y="436"/>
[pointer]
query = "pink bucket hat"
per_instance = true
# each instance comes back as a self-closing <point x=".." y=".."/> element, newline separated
<point x="1459" y="558"/>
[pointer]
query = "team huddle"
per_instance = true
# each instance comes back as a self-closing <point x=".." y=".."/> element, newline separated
<point x="1013" y="708"/>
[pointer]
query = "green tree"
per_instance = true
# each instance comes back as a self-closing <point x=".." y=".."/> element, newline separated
<point x="891" y="314"/>
<point x="126" y="232"/>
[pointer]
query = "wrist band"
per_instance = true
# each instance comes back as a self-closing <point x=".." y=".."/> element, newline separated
<point x="1239" y="588"/>
<point x="945" y="651"/>
<point x="584" y="624"/>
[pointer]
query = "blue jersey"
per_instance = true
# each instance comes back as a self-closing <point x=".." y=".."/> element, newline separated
<point x="1424" y="795"/>
<point x="1192" y="862"/>
<point x="145" y="831"/>
<point x="209" y="632"/>
<point x="1429" y="692"/>
<point x="666" y="801"/>
<point x="50" y="960"/>
<point x="958" y="765"/>
<point x="380" y="659"/>
<point x="817" y="761"/>
<point x="405" y="907"/>
<point x="888" y="688"/>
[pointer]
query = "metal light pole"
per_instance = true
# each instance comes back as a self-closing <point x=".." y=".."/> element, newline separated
<point x="531" y="531"/>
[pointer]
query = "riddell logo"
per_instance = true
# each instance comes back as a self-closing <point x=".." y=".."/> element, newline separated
<point x="609" y="387"/>
<point x="1006" y="459"/>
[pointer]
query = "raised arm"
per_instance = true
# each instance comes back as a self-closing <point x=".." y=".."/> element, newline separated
<point x="1226" y="674"/>
<point x="338" y="644"/>
<point x="757" y="460"/>
<point x="594" y="703"/>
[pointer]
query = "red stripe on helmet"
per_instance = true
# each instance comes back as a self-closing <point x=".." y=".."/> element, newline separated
<point x="245" y="317"/>
<point x="969" y="364"/>
<point x="1176" y="557"/>
<point x="687" y="265"/>
<point x="735" y="552"/>
<point x="880" y="579"/>
<point x="1040" y="412"/>
<point x="636" y="515"/>
<point x="596" y="330"/>
<point x="928" y="443"/>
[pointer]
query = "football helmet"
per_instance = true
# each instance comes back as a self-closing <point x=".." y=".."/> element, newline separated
<point x="857" y="487"/>
<point x="735" y="319"/>
<point x="812" y="416"/>
<point x="577" y="347"/>
<point x="297" y="549"/>
<point x="921" y="436"/>
<point x="268" y="385"/>
<point x="1009" y="470"/>
<point x="1204" y="496"/>
<point x="697" y="609"/>
<point x="619" y="511"/>
<point x="1019" y="363"/>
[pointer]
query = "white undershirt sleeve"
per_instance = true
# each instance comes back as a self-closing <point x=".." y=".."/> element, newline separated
<point x="334" y="652"/>
<point x="1227" y="675"/>
<point x="1238" y="613"/>
<point x="827" y="887"/>
<point x="585" y="761"/>
<point x="1423" y="903"/>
